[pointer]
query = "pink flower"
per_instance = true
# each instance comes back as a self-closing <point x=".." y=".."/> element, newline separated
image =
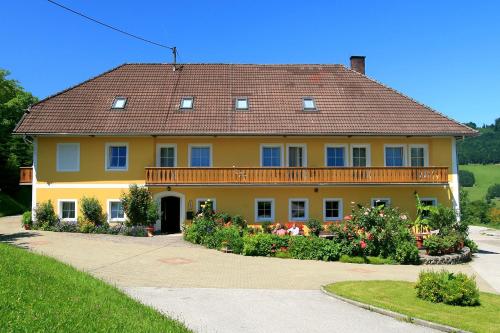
<point x="381" y="214"/>
<point x="362" y="244"/>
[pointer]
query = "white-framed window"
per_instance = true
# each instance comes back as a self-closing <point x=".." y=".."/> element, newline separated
<point x="200" y="155"/>
<point x="115" y="211"/>
<point x="296" y="155"/>
<point x="394" y="155"/>
<point x="67" y="209"/>
<point x="332" y="209"/>
<point x="308" y="104"/>
<point x="298" y="209"/>
<point x="386" y="202"/>
<point x="201" y="201"/>
<point x="335" y="155"/>
<point x="264" y="210"/>
<point x="116" y="156"/>
<point x="68" y="157"/>
<point x="119" y="103"/>
<point x="418" y="155"/>
<point x="428" y="202"/>
<point x="271" y="155"/>
<point x="241" y="103"/>
<point x="166" y="155"/>
<point x="360" y="155"/>
<point x="186" y="103"/>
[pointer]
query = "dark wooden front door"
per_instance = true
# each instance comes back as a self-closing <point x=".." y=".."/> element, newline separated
<point x="170" y="215"/>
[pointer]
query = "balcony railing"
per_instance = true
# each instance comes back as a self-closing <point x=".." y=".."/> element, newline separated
<point x="288" y="176"/>
<point x="25" y="175"/>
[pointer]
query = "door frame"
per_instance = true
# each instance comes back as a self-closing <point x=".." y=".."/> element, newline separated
<point x="182" y="213"/>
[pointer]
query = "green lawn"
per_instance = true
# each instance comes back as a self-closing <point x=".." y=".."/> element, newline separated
<point x="10" y="206"/>
<point x="40" y="294"/>
<point x="485" y="176"/>
<point x="400" y="297"/>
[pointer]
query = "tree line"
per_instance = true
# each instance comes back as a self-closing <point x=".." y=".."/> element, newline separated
<point x="482" y="149"/>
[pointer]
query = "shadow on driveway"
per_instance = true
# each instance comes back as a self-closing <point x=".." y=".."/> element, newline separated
<point x="14" y="238"/>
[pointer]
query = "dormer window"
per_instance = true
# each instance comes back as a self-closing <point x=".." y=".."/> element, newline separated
<point x="119" y="103"/>
<point x="308" y="104"/>
<point x="186" y="103"/>
<point x="241" y="103"/>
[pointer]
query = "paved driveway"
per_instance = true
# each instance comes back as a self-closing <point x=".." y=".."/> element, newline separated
<point x="487" y="262"/>
<point x="256" y="292"/>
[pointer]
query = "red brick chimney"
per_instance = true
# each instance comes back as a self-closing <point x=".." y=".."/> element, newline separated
<point x="358" y="64"/>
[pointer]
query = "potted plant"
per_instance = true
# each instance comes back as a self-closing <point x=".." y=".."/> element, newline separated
<point x="27" y="221"/>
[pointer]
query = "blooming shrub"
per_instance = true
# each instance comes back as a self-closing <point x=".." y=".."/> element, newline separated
<point x="315" y="227"/>
<point x="448" y="288"/>
<point x="377" y="231"/>
<point x="264" y="244"/>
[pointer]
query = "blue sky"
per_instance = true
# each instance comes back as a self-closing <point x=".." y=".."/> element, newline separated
<point x="442" y="53"/>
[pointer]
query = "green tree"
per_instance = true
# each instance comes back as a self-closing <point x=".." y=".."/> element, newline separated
<point x="14" y="151"/>
<point x="493" y="192"/>
<point x="466" y="178"/>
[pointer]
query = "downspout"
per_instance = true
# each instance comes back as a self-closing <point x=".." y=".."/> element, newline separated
<point x="454" y="184"/>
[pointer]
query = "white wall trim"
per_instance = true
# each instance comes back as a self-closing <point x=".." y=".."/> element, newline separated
<point x="304" y="153"/>
<point x="200" y="145"/>
<point x="426" y="153"/>
<point x="59" y="209"/>
<point x="368" y="152"/>
<point x="106" y="155"/>
<point x="272" y="145"/>
<point x="455" y="190"/>
<point x="182" y="213"/>
<point x="165" y="145"/>
<point x="341" y="209"/>
<point x="256" y="210"/>
<point x="337" y="145"/>
<point x="34" y="184"/>
<point x="306" y="210"/>
<point x="397" y="145"/>
<point x="77" y="144"/>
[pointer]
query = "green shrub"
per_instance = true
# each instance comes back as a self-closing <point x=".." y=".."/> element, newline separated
<point x="448" y="288"/>
<point x="367" y="260"/>
<point x="444" y="219"/>
<point x="466" y="178"/>
<point x="314" y="226"/>
<point x="493" y="192"/>
<point x="138" y="206"/>
<point x="266" y="227"/>
<point x="230" y="237"/>
<point x="85" y="226"/>
<point x="45" y="215"/>
<point x="314" y="248"/>
<point x="406" y="253"/>
<point x="263" y="244"/>
<point x="92" y="211"/>
<point x="26" y="219"/>
<point x="471" y="245"/>
<point x="65" y="226"/>
<point x="283" y="255"/>
<point x="239" y="221"/>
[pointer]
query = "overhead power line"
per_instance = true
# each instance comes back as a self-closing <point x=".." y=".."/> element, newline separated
<point x="173" y="48"/>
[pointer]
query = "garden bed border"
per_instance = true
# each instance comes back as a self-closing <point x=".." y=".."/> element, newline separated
<point x="395" y="315"/>
<point x="464" y="255"/>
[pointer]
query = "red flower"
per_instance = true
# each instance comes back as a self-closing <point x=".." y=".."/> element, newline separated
<point x="362" y="244"/>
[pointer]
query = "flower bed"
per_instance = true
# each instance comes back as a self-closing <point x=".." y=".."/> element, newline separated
<point x="376" y="232"/>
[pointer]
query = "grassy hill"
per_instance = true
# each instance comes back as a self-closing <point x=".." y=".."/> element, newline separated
<point x="485" y="175"/>
<point x="18" y="204"/>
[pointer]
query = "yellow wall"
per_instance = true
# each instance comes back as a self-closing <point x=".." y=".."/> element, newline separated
<point x="229" y="151"/>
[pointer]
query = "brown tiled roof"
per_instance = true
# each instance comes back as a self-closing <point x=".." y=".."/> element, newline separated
<point x="348" y="103"/>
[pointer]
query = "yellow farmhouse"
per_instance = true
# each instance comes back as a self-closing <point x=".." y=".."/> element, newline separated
<point x="278" y="143"/>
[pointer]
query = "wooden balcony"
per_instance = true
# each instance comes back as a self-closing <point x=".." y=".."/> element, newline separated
<point x="25" y="175"/>
<point x="295" y="176"/>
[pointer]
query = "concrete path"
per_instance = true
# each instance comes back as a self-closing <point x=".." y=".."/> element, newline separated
<point x="487" y="262"/>
<point x="254" y="294"/>
<point x="264" y="310"/>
